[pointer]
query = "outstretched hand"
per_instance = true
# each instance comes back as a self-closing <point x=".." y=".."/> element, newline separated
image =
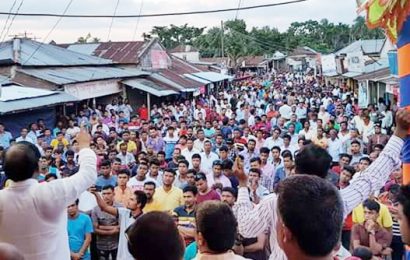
<point x="239" y="172"/>
<point x="403" y="123"/>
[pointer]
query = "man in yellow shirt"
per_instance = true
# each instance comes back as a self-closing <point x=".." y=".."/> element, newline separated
<point x="131" y="145"/>
<point x="168" y="196"/>
<point x="152" y="203"/>
<point x="384" y="219"/>
<point x="59" y="142"/>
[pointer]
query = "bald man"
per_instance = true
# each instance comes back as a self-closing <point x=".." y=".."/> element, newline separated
<point x="9" y="252"/>
<point x="32" y="215"/>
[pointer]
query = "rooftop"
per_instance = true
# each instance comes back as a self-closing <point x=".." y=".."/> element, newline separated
<point x="366" y="46"/>
<point x="27" y="52"/>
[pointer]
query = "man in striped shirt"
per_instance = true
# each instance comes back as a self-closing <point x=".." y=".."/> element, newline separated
<point x="253" y="221"/>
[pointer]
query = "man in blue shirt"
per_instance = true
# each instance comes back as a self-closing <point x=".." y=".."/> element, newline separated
<point x="5" y="137"/>
<point x="106" y="178"/>
<point x="79" y="228"/>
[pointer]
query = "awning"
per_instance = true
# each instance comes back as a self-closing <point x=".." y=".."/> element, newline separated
<point x="332" y="74"/>
<point x="203" y="81"/>
<point x="149" y="87"/>
<point x="212" y="76"/>
<point x="351" y="74"/>
<point x="17" y="98"/>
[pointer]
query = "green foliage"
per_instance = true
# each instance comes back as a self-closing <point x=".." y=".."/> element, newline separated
<point x="323" y="36"/>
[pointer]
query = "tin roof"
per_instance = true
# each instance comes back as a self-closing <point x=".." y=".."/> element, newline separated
<point x="367" y="46"/>
<point x="33" y="53"/>
<point x="16" y="98"/>
<point x="68" y="75"/>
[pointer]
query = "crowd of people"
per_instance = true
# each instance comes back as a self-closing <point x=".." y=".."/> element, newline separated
<point x="249" y="171"/>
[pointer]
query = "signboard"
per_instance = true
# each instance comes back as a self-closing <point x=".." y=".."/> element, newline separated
<point x="363" y="97"/>
<point x="355" y="62"/>
<point x="94" y="89"/>
<point x="328" y="64"/>
<point x="159" y="59"/>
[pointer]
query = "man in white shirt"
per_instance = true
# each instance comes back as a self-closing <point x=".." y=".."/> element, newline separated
<point x="274" y="140"/>
<point x="189" y="151"/>
<point x="32" y="213"/>
<point x="208" y="157"/>
<point x="335" y="147"/>
<point x="24" y="136"/>
<point x="285" y="110"/>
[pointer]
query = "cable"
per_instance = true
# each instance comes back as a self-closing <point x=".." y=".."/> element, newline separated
<point x="49" y="33"/>
<point x="12" y="20"/>
<point x="112" y="20"/>
<point x="7" y="19"/>
<point x="153" y="15"/>
<point x="138" y="20"/>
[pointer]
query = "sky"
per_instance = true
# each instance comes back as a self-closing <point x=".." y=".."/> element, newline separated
<point x="69" y="29"/>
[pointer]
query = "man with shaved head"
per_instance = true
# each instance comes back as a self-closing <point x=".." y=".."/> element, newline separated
<point x="32" y="213"/>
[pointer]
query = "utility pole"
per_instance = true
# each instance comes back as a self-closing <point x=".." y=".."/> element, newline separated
<point x="222" y="39"/>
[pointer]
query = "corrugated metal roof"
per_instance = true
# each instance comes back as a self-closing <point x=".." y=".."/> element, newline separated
<point x="197" y="79"/>
<point x="149" y="86"/>
<point x="367" y="46"/>
<point x="62" y="76"/>
<point x="351" y="74"/>
<point x="121" y="52"/>
<point x="45" y="55"/>
<point x="28" y="103"/>
<point x="180" y="80"/>
<point x="84" y="48"/>
<point x="376" y="65"/>
<point x="15" y="92"/>
<point x="212" y="76"/>
<point x="4" y="80"/>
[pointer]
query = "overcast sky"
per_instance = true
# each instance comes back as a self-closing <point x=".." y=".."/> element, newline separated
<point x="70" y="29"/>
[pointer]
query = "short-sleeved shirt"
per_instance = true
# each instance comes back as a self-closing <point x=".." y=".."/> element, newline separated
<point x="384" y="219"/>
<point x="126" y="219"/>
<point x="211" y="195"/>
<point x="106" y="242"/>
<point x="77" y="229"/>
<point x="168" y="200"/>
<point x="185" y="219"/>
<point x="382" y="236"/>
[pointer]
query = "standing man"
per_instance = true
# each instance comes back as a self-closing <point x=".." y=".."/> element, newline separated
<point x="126" y="217"/>
<point x="152" y="204"/>
<point x="208" y="157"/>
<point x="204" y="191"/>
<point x="252" y="220"/>
<point x="106" y="178"/>
<point x="137" y="182"/>
<point x="122" y="192"/>
<point x="5" y="137"/>
<point x="106" y="226"/>
<point x="79" y="228"/>
<point x="186" y="215"/>
<point x="168" y="196"/>
<point x="45" y="204"/>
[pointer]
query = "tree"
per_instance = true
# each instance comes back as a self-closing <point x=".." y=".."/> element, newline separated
<point x="173" y="35"/>
<point x="88" y="38"/>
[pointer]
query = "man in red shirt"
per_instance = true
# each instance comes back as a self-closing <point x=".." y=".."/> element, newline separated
<point x="143" y="112"/>
<point x="204" y="192"/>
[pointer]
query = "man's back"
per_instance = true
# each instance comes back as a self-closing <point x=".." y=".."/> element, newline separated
<point x="33" y="216"/>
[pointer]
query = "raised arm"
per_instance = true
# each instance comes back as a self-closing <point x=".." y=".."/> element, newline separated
<point x="252" y="221"/>
<point x="62" y="192"/>
<point x="375" y="176"/>
<point x="104" y="206"/>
